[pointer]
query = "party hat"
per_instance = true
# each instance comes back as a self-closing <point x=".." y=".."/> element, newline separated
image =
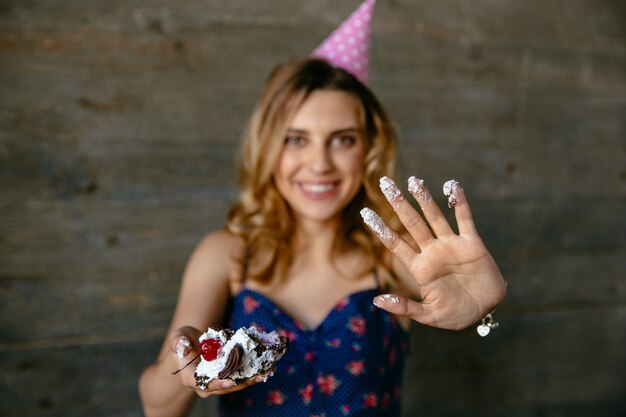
<point x="348" y="47"/>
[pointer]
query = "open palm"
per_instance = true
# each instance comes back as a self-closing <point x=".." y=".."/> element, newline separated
<point x="458" y="279"/>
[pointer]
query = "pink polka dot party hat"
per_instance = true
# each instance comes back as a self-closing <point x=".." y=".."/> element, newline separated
<point x="348" y="47"/>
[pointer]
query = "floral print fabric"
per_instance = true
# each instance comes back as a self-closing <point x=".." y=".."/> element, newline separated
<point x="350" y="365"/>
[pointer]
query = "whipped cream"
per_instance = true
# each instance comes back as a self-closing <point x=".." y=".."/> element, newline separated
<point x="256" y="359"/>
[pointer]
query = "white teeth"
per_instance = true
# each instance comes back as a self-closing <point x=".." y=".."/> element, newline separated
<point x="317" y="188"/>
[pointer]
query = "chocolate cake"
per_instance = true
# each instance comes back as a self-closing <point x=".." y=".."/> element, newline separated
<point x="238" y="355"/>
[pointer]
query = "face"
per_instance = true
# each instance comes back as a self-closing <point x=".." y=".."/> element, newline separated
<point x="320" y="167"/>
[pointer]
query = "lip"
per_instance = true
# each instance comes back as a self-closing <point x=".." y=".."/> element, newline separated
<point x="318" y="190"/>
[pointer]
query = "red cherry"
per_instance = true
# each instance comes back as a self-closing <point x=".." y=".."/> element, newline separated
<point x="209" y="348"/>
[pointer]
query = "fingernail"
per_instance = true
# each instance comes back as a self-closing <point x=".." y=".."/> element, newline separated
<point x="417" y="189"/>
<point x="391" y="191"/>
<point x="228" y="384"/>
<point x="377" y="224"/>
<point x="182" y="347"/>
<point x="453" y="190"/>
<point x="378" y="302"/>
<point x="382" y="299"/>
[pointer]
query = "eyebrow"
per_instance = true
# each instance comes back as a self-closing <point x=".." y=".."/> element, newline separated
<point x="334" y="132"/>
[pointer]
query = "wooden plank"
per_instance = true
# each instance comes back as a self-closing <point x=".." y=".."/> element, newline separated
<point x="532" y="362"/>
<point x="467" y="117"/>
<point x="90" y="379"/>
<point x="87" y="237"/>
<point x="535" y="23"/>
<point x="97" y="110"/>
<point x="524" y="233"/>
<point x="114" y="170"/>
<point x="215" y="50"/>
<point x="571" y="227"/>
<point x="574" y="119"/>
<point x="452" y="63"/>
<point x="70" y="378"/>
<point x="422" y="63"/>
<point x="63" y="310"/>
<point x="555" y="279"/>
<point x="401" y="60"/>
<point x="520" y="175"/>
<point x="159" y="17"/>
<point x="602" y="24"/>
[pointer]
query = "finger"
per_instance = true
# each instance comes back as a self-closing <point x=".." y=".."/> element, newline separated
<point x="185" y="365"/>
<point x="398" y="246"/>
<point x="402" y="306"/>
<point x="414" y="223"/>
<point x="183" y="347"/>
<point x="215" y="386"/>
<point x="178" y="336"/>
<point x="431" y="210"/>
<point x="227" y="386"/>
<point x="220" y="385"/>
<point x="458" y="200"/>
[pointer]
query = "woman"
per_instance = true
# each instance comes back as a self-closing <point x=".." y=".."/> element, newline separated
<point x="297" y="258"/>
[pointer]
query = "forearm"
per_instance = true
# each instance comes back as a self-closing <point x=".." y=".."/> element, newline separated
<point x="162" y="394"/>
<point x="202" y="301"/>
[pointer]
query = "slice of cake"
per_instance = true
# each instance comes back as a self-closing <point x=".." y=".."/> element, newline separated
<point x="238" y="355"/>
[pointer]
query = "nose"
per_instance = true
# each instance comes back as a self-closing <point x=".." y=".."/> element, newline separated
<point x="320" y="160"/>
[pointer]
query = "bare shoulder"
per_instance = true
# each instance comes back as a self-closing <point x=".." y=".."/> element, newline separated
<point x="216" y="252"/>
<point x="213" y="263"/>
<point x="205" y="288"/>
<point x="221" y="239"/>
<point x="218" y="248"/>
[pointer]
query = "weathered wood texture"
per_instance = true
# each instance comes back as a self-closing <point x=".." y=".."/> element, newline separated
<point x="119" y="123"/>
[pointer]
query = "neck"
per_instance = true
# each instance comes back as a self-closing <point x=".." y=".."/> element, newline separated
<point x="315" y="240"/>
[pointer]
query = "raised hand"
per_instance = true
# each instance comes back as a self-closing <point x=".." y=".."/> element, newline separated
<point x="458" y="280"/>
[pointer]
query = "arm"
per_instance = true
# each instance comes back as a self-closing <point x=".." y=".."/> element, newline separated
<point x="203" y="298"/>
<point x="453" y="277"/>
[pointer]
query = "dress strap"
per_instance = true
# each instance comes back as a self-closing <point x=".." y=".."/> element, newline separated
<point x="238" y="280"/>
<point x="244" y="267"/>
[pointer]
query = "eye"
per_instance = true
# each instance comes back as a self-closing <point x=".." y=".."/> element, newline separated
<point x="344" y="141"/>
<point x="295" y="140"/>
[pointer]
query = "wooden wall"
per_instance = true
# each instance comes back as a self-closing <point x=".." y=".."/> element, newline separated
<point x="119" y="121"/>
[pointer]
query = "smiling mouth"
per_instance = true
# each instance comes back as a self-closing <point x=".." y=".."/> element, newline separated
<point x="319" y="189"/>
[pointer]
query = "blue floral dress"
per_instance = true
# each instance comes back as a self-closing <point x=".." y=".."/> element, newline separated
<point x="350" y="365"/>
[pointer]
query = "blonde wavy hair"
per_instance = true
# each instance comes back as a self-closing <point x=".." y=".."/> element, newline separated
<point x="261" y="217"/>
